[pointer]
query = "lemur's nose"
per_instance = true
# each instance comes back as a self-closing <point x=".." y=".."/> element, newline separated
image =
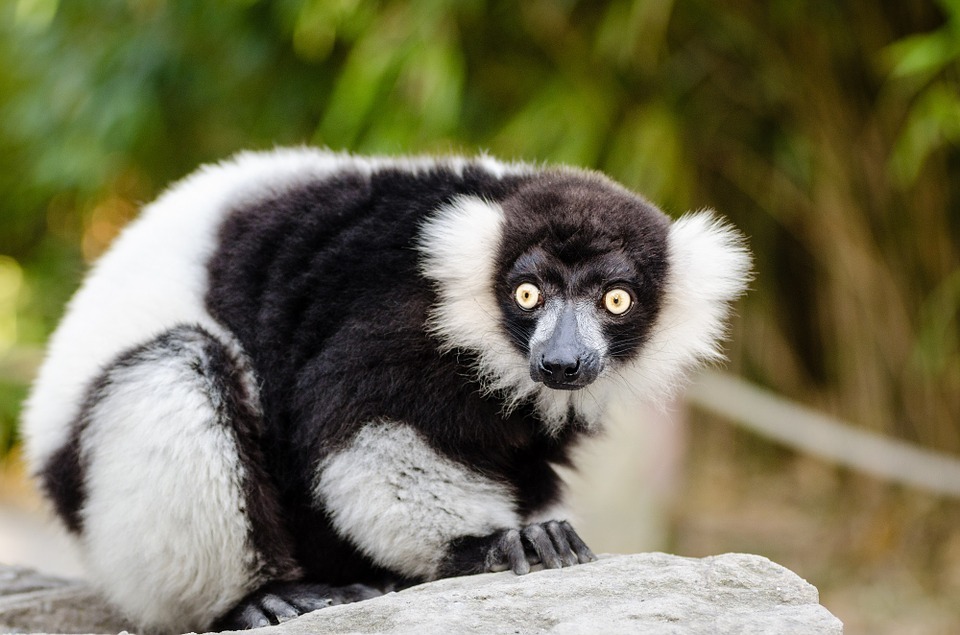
<point x="559" y="368"/>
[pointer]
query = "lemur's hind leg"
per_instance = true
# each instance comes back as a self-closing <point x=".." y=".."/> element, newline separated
<point x="281" y="601"/>
<point x="163" y="482"/>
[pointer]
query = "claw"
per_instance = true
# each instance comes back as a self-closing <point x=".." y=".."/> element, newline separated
<point x="281" y="610"/>
<point x="555" y="544"/>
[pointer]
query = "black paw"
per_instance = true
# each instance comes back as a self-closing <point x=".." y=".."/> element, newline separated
<point x="553" y="544"/>
<point x="281" y="601"/>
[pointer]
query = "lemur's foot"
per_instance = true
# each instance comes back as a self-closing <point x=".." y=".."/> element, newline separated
<point x="281" y="601"/>
<point x="553" y="544"/>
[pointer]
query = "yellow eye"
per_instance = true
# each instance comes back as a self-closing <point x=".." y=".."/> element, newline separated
<point x="527" y="296"/>
<point x="617" y="301"/>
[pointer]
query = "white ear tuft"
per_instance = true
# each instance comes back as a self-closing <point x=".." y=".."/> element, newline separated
<point x="709" y="268"/>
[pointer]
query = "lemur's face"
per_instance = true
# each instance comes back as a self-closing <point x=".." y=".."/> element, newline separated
<point x="582" y="276"/>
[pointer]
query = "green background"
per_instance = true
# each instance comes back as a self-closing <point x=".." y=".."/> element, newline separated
<point x="829" y="132"/>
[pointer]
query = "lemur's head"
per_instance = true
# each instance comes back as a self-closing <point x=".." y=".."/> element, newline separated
<point x="571" y="288"/>
<point x="580" y="278"/>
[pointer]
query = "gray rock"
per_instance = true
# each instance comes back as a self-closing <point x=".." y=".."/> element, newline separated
<point x="31" y="602"/>
<point x="646" y="593"/>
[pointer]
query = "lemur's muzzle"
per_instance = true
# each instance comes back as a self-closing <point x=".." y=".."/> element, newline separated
<point x="561" y="357"/>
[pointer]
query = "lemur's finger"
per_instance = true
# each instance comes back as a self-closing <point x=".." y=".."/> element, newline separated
<point x="279" y="608"/>
<point x="353" y="593"/>
<point x="559" y="538"/>
<point x="539" y="540"/>
<point x="576" y="543"/>
<point x="250" y="617"/>
<point x="511" y="546"/>
<point x="306" y="601"/>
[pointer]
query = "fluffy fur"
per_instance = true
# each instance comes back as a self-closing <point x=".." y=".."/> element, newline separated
<point x="401" y="502"/>
<point x="302" y="377"/>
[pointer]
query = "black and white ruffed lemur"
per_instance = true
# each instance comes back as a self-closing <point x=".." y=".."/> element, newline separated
<point x="301" y="377"/>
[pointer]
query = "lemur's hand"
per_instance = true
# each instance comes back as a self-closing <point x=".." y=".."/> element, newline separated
<point x="554" y="544"/>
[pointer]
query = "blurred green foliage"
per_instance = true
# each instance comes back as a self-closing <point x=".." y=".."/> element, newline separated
<point x="829" y="132"/>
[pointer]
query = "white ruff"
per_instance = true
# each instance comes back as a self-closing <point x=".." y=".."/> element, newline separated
<point x="709" y="268"/>
<point x="400" y="502"/>
<point x="459" y="245"/>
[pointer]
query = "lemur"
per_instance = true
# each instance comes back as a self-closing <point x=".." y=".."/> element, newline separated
<point x="302" y="377"/>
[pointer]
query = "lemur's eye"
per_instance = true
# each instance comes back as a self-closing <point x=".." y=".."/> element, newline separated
<point x="527" y="296"/>
<point x="617" y="301"/>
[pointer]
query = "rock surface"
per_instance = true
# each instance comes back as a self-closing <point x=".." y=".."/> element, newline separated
<point x="644" y="593"/>
<point x="31" y="602"/>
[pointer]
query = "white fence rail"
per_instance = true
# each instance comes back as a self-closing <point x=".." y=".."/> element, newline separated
<point x="812" y="432"/>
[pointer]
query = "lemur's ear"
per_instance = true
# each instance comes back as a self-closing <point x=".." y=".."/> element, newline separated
<point x="709" y="268"/>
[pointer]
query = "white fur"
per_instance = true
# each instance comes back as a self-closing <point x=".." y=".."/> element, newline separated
<point x="709" y="268"/>
<point x="556" y="511"/>
<point x="168" y="552"/>
<point x="400" y="501"/>
<point x="589" y="329"/>
<point x="546" y="322"/>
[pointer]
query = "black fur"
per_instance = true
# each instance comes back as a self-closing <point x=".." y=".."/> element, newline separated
<point x="62" y="480"/>
<point x="236" y="409"/>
